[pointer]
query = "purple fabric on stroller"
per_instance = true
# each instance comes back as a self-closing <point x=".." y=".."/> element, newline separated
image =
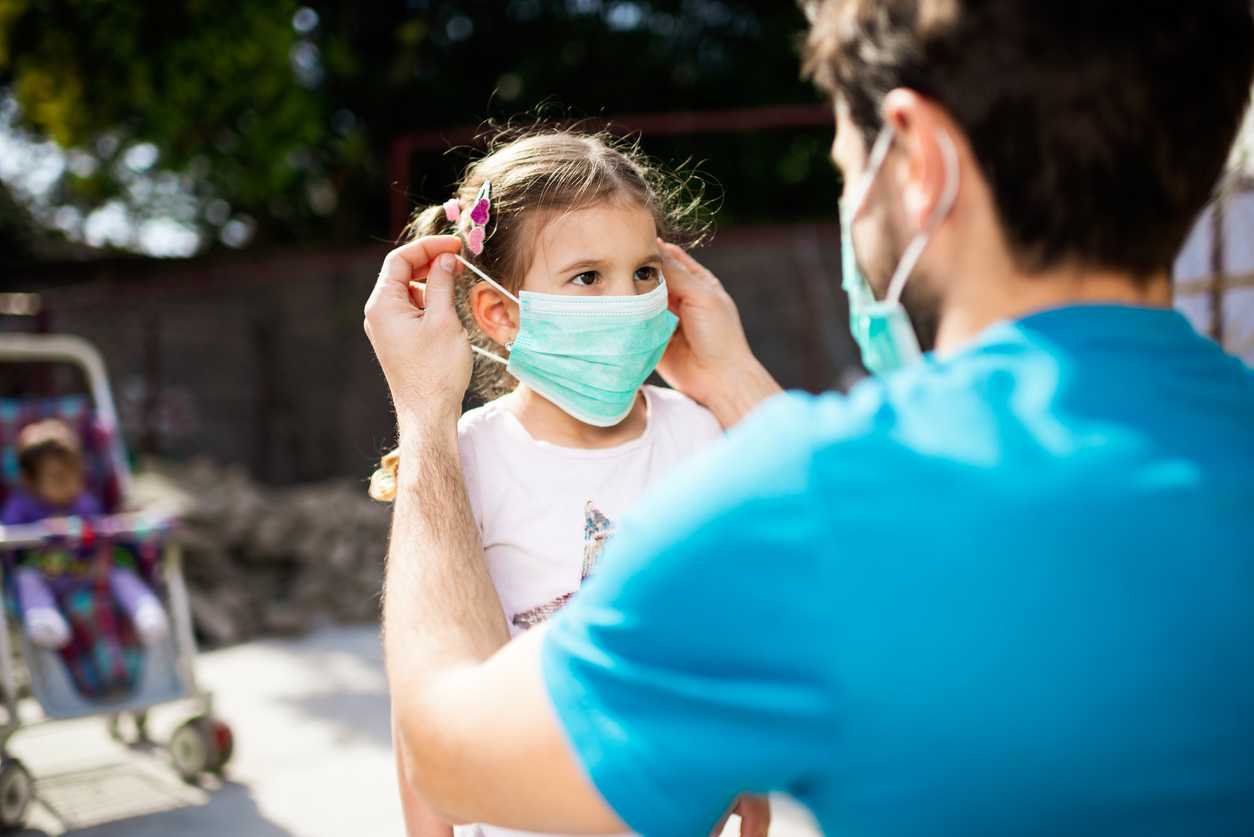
<point x="104" y="655"/>
<point x="32" y="590"/>
<point x="128" y="591"/>
<point x="95" y="591"/>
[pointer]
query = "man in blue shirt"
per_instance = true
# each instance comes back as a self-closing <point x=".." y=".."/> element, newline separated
<point x="1004" y="588"/>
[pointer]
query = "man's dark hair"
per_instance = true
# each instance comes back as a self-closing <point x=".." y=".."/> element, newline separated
<point x="1102" y="126"/>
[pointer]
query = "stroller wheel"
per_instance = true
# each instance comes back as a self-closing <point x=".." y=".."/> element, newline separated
<point x="191" y="749"/>
<point x="223" y="741"/>
<point x="16" y="790"/>
<point x="201" y="745"/>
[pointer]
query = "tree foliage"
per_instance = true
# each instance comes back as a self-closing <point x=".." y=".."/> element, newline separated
<point x="279" y="116"/>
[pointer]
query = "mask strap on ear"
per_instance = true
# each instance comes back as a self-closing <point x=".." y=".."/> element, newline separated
<point x="874" y="161"/>
<point x="496" y="286"/>
<point x="485" y="277"/>
<point x="489" y="355"/>
<point x="949" y="153"/>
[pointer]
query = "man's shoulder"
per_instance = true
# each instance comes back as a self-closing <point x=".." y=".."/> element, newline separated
<point x="798" y="444"/>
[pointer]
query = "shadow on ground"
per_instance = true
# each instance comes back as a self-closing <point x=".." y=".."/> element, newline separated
<point x="357" y="718"/>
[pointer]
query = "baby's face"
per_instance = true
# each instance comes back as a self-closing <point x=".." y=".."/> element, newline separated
<point x="59" y="481"/>
<point x="609" y="249"/>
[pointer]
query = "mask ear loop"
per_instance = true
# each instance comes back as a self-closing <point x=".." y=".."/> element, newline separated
<point x="911" y="257"/>
<point x="873" y="163"/>
<point x="485" y="277"/>
<point x="497" y="287"/>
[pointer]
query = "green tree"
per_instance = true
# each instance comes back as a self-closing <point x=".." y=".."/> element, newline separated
<point x="273" y="117"/>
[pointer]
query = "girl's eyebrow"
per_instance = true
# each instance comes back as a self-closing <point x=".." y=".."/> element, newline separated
<point x="582" y="263"/>
<point x="651" y="258"/>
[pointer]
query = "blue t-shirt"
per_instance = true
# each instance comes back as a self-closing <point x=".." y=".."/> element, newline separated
<point x="1008" y="592"/>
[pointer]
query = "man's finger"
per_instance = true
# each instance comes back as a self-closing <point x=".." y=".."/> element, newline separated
<point x="690" y="275"/>
<point x="678" y="254"/>
<point x="439" y="286"/>
<point x="755" y="816"/>
<point x="418" y="294"/>
<point x="408" y="261"/>
<point x="678" y="277"/>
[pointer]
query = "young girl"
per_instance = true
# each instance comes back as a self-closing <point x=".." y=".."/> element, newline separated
<point x="565" y="302"/>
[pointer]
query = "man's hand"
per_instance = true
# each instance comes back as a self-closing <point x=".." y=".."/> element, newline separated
<point x="755" y="816"/>
<point x="415" y="332"/>
<point x="709" y="359"/>
<point x="475" y="736"/>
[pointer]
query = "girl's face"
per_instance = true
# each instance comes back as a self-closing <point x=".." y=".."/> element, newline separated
<point x="609" y="249"/>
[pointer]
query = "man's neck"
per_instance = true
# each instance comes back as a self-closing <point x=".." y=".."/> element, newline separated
<point x="1013" y="295"/>
<point x="544" y="421"/>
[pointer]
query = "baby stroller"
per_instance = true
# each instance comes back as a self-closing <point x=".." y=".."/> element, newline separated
<point x="70" y="377"/>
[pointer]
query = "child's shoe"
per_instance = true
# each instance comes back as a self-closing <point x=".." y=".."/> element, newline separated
<point x="141" y="605"/>
<point x="150" y="621"/>
<point x="46" y="628"/>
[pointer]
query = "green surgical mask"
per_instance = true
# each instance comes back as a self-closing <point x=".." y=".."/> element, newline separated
<point x="882" y="329"/>
<point x="589" y="355"/>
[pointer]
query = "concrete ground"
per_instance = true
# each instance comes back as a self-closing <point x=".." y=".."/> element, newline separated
<point x="312" y="754"/>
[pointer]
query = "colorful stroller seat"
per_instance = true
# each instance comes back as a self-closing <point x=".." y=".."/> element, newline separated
<point x="105" y="663"/>
<point x="105" y="670"/>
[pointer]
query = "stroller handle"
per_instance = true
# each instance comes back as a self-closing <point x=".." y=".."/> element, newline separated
<point x="136" y="524"/>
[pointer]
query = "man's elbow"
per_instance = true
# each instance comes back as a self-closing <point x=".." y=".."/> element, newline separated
<point x="427" y="768"/>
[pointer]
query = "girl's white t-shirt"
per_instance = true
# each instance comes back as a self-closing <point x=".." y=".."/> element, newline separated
<point x="545" y="511"/>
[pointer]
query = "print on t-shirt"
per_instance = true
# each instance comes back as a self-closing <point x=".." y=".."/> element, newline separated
<point x="596" y="529"/>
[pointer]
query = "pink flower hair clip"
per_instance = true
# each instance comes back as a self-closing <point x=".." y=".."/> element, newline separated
<point x="478" y="217"/>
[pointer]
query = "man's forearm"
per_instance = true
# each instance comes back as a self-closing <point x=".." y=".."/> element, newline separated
<point x="440" y="609"/>
<point x="741" y="393"/>
<point x="441" y="614"/>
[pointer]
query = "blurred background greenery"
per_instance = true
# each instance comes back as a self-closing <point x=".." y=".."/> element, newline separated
<point x="174" y="128"/>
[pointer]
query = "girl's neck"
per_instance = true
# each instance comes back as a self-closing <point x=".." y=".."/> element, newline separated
<point x="546" y="422"/>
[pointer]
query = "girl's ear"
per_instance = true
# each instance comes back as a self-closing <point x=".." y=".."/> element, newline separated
<point x="493" y="313"/>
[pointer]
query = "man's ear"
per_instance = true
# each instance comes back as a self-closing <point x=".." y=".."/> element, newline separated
<point x="493" y="313"/>
<point x="918" y="122"/>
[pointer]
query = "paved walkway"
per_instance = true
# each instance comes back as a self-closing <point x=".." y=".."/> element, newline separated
<point x="312" y="757"/>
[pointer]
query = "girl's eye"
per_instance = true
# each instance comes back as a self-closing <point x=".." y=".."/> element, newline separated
<point x="585" y="280"/>
<point x="647" y="274"/>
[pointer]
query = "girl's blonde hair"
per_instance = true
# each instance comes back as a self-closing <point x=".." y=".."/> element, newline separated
<point x="534" y="174"/>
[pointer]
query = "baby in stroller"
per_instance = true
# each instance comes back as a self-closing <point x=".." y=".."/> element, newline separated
<point x="53" y="486"/>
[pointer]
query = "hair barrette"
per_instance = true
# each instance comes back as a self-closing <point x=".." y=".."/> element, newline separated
<point x="472" y="233"/>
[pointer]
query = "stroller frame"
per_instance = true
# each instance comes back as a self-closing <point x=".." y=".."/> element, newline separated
<point x="202" y="744"/>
